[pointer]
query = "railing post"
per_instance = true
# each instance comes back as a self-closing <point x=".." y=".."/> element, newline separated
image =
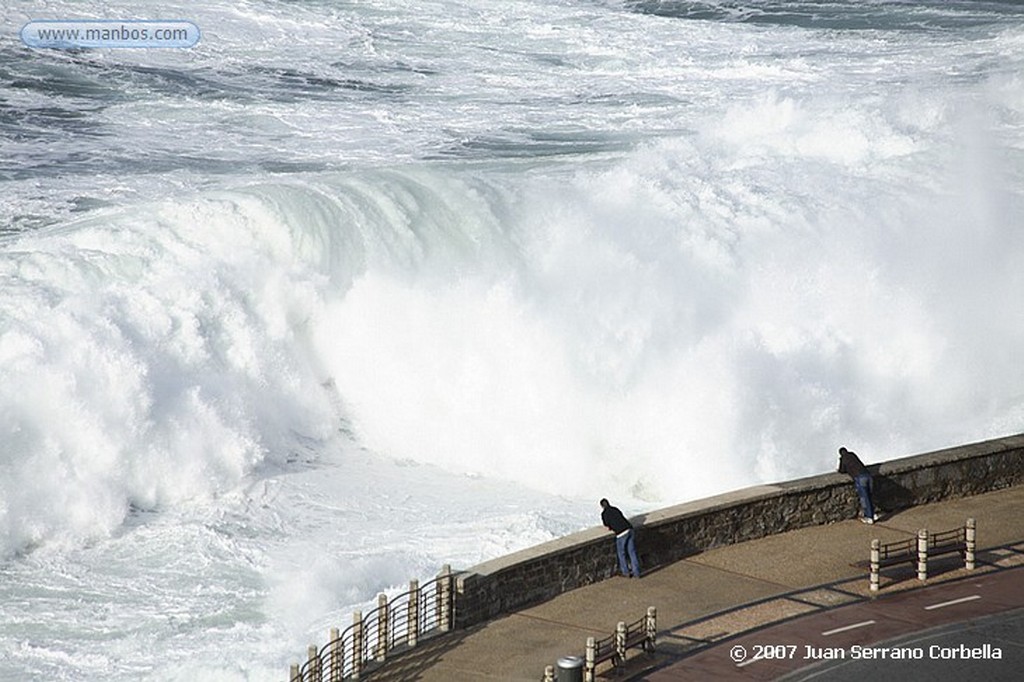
<point x="620" y="641"/>
<point x="589" y="660"/>
<point x="444" y="598"/>
<point x="337" y="658"/>
<point x="549" y="673"/>
<point x="922" y="554"/>
<point x="358" y="644"/>
<point x="293" y="673"/>
<point x="969" y="544"/>
<point x="313" y="665"/>
<point x="382" y="627"/>
<point x="652" y="628"/>
<point x="414" y="612"/>
<point x="413" y="619"/>
<point x="876" y="547"/>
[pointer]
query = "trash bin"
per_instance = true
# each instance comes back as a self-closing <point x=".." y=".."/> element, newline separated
<point x="570" y="669"/>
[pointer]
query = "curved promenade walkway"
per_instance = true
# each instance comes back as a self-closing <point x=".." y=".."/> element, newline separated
<point x="710" y="602"/>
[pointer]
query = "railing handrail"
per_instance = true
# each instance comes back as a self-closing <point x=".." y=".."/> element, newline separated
<point x="614" y="648"/>
<point x="955" y="536"/>
<point x="636" y="632"/>
<point x="899" y="547"/>
<point x="919" y="549"/>
<point x="394" y="623"/>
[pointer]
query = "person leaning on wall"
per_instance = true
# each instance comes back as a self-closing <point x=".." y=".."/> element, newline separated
<point x="625" y="542"/>
<point x="849" y="463"/>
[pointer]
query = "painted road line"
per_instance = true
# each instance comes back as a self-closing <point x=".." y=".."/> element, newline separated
<point x="951" y="603"/>
<point x="747" y="662"/>
<point x="828" y="633"/>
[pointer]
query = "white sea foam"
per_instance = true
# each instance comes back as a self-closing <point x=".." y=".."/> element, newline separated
<point x="147" y="360"/>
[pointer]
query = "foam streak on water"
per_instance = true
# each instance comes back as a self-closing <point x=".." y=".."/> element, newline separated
<point x="352" y="290"/>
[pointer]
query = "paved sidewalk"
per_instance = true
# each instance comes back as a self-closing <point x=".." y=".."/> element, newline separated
<point x="719" y="594"/>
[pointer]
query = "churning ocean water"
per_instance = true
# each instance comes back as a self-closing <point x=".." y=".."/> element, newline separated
<point x="353" y="289"/>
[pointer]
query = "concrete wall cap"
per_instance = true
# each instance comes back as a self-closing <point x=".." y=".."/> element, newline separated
<point x="551" y="548"/>
<point x="708" y="504"/>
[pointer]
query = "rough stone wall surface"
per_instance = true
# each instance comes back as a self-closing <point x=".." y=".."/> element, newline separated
<point x="667" y="535"/>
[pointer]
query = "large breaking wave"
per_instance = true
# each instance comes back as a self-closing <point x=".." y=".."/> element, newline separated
<point x="668" y="325"/>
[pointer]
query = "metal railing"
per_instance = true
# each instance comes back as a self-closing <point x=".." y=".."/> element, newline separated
<point x="397" y="624"/>
<point x="640" y="634"/>
<point x="960" y="540"/>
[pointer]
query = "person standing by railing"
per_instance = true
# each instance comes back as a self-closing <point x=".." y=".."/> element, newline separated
<point x="849" y="463"/>
<point x="625" y="543"/>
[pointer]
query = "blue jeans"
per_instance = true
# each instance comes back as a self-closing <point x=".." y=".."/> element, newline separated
<point x="626" y="544"/>
<point x="864" y="488"/>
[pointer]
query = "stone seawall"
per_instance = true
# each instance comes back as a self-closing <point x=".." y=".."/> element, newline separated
<point x="666" y="535"/>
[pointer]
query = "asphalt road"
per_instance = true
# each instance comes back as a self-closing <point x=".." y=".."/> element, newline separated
<point x="972" y="629"/>
<point x="940" y="654"/>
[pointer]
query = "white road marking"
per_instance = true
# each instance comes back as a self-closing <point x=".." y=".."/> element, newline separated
<point x="747" y="662"/>
<point x="951" y="603"/>
<point x="848" y="627"/>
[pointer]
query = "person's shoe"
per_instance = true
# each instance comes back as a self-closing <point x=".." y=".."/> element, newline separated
<point x="867" y="520"/>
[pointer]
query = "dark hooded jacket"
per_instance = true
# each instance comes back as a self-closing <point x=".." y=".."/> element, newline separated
<point x="612" y="518"/>
<point x="849" y="463"/>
